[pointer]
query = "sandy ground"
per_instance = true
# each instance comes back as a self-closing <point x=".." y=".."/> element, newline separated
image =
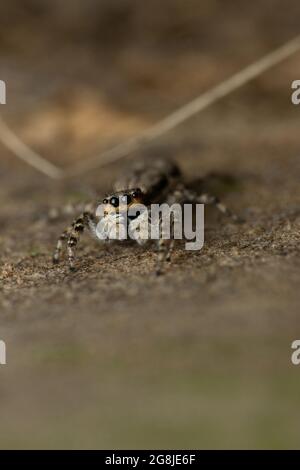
<point x="111" y="356"/>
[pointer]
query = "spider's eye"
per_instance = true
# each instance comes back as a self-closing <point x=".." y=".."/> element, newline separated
<point x="114" y="201"/>
<point x="136" y="193"/>
<point x="105" y="201"/>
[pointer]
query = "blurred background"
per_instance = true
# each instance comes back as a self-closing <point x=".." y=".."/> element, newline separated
<point x="110" y="357"/>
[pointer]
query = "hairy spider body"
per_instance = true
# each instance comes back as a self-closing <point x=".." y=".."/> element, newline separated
<point x="145" y="183"/>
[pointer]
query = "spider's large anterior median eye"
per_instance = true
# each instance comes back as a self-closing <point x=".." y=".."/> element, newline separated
<point x="114" y="201"/>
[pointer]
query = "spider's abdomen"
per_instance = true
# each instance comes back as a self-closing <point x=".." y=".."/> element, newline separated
<point x="153" y="176"/>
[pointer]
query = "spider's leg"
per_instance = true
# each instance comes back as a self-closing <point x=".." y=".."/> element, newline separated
<point x="171" y="248"/>
<point x="213" y="200"/>
<point x="181" y="195"/>
<point x="165" y="245"/>
<point x="162" y="249"/>
<point x="86" y="220"/>
<point x="206" y="198"/>
<point x="68" y="210"/>
<point x="59" y="246"/>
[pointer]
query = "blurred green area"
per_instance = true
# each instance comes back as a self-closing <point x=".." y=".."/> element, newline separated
<point x="174" y="393"/>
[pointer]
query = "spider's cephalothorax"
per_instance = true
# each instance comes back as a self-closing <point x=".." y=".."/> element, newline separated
<point x="146" y="182"/>
<point x="122" y="201"/>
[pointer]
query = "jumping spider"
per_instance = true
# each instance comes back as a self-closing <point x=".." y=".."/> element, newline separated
<point x="146" y="182"/>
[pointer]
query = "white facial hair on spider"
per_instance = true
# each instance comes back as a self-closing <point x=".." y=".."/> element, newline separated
<point x="112" y="226"/>
<point x="123" y="223"/>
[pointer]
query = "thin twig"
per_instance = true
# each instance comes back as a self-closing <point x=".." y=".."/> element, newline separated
<point x="190" y="109"/>
<point x="25" y="153"/>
